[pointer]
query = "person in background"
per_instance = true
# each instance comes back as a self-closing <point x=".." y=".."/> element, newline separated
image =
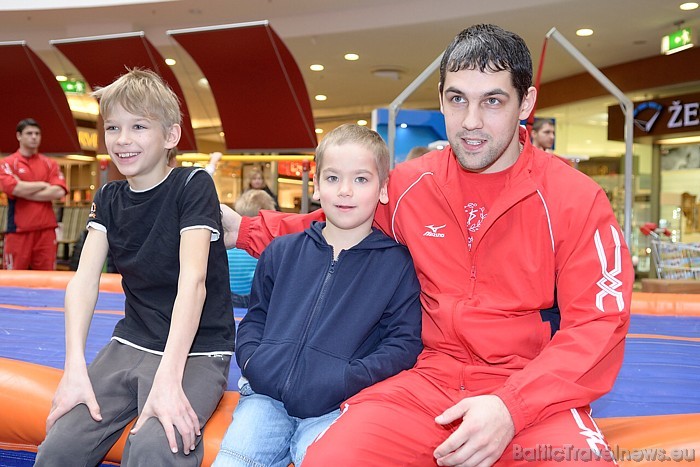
<point x="31" y="181"/>
<point x="542" y="134"/>
<point x="241" y="266"/>
<point x="526" y="285"/>
<point x="333" y="310"/>
<point x="168" y="360"/>
<point x="214" y="159"/>
<point x="416" y="152"/>
<point x="256" y="181"/>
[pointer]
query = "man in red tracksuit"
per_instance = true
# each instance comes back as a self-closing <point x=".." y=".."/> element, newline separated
<point x="31" y="181"/>
<point x="526" y="284"/>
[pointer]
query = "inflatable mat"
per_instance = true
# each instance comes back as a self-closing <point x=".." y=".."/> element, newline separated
<point x="652" y="415"/>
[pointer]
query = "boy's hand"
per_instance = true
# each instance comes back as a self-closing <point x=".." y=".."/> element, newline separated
<point x="231" y="221"/>
<point x="168" y="403"/>
<point x="485" y="431"/>
<point x="73" y="389"/>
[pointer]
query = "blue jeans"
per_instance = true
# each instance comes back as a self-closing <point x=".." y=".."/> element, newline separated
<point x="262" y="434"/>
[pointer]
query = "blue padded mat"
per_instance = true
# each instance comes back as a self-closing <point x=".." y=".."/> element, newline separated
<point x="36" y="334"/>
<point x="661" y="371"/>
<point x="660" y="374"/>
<point x="50" y="298"/>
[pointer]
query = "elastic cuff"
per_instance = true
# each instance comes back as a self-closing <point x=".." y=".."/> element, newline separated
<point x="514" y="405"/>
<point x="244" y="233"/>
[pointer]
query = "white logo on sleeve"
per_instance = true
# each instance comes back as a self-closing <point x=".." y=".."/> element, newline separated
<point x="609" y="283"/>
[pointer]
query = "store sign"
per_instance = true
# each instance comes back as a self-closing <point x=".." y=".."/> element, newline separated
<point x="73" y="86"/>
<point x="658" y="118"/>
<point x="294" y="169"/>
<point x="87" y="137"/>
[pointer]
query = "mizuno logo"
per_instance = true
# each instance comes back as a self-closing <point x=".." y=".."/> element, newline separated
<point x="433" y="231"/>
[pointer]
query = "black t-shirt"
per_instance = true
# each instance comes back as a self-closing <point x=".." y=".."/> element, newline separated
<point x="143" y="230"/>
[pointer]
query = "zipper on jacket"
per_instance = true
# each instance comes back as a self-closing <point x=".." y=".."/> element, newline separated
<point x="472" y="279"/>
<point x="317" y="305"/>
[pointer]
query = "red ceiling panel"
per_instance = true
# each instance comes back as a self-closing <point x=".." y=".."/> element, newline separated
<point x="29" y="90"/>
<point x="258" y="88"/>
<point x="102" y="59"/>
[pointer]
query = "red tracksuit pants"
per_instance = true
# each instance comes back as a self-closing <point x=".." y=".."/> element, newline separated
<point x="30" y="250"/>
<point x="393" y="424"/>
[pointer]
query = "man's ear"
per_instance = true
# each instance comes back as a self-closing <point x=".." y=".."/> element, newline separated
<point x="528" y="103"/>
<point x="172" y="136"/>
<point x="384" y="193"/>
<point x="19" y="135"/>
<point x="316" y="196"/>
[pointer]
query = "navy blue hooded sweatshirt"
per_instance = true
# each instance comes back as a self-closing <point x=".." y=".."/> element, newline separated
<point x="318" y="331"/>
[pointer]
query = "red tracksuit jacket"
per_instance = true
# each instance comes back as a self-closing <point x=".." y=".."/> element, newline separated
<point x="550" y="233"/>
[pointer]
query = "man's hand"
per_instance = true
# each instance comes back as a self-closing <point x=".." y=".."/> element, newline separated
<point x="232" y="221"/>
<point x="168" y="403"/>
<point x="73" y="389"/>
<point x="484" y="433"/>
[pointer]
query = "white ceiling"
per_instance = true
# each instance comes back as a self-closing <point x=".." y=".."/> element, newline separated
<point x="406" y="35"/>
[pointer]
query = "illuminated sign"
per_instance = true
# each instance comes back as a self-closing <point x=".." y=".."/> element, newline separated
<point x="73" y="86"/>
<point x="679" y="40"/>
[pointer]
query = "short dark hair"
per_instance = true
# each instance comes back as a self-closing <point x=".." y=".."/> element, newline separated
<point x="25" y="123"/>
<point x="540" y="122"/>
<point x="486" y="47"/>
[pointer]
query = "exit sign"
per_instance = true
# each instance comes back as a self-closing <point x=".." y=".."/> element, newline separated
<point x="679" y="40"/>
<point x="73" y="86"/>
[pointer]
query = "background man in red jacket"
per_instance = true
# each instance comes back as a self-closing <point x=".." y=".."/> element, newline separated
<point x="31" y="181"/>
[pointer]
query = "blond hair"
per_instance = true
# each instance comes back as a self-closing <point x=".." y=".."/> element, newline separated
<point x="252" y="201"/>
<point x="144" y="93"/>
<point x="350" y="133"/>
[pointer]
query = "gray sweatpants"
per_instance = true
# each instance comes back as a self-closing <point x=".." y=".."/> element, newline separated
<point x="122" y="377"/>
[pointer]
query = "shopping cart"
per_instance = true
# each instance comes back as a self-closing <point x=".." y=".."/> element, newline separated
<point x="675" y="260"/>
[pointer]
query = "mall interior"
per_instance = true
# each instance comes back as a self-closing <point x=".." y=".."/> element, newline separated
<point x="300" y="83"/>
<point x="262" y="82"/>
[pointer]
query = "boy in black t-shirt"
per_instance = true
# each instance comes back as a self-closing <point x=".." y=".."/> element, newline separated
<point x="168" y="359"/>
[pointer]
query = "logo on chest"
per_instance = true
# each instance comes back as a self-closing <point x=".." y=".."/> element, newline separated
<point x="433" y="231"/>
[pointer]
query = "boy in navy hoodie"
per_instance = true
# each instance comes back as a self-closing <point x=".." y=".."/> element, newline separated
<point x="333" y="310"/>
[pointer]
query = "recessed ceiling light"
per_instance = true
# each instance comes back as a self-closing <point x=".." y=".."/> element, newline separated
<point x="352" y="57"/>
<point x="222" y="134"/>
<point x="203" y="82"/>
<point x="403" y="125"/>
<point x="61" y="78"/>
<point x="584" y="32"/>
<point x="688" y="6"/>
<point x="170" y="61"/>
<point x="320" y="97"/>
<point x="362" y="122"/>
<point x="316" y="67"/>
<point x="319" y="131"/>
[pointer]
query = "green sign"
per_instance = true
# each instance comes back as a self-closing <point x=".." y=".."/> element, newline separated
<point x="679" y="40"/>
<point x="73" y="86"/>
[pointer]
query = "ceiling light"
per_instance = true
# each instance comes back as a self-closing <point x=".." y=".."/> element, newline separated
<point x="388" y="73"/>
<point x="352" y="57"/>
<point x="170" y="61"/>
<point x="318" y="131"/>
<point x="320" y="97"/>
<point x="403" y="125"/>
<point x="203" y="82"/>
<point x="362" y="122"/>
<point x="61" y="78"/>
<point x="689" y="6"/>
<point x="316" y="67"/>
<point x="681" y="140"/>
<point x="584" y="32"/>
